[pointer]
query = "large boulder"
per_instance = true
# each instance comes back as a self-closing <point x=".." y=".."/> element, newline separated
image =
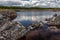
<point x="9" y="29"/>
<point x="54" y="21"/>
<point x="57" y="19"/>
<point x="43" y="35"/>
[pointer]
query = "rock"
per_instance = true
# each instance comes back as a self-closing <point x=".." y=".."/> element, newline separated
<point x="9" y="14"/>
<point x="55" y="37"/>
<point x="43" y="35"/>
<point x="54" y="21"/>
<point x="53" y="28"/>
<point x="57" y="19"/>
<point x="9" y="29"/>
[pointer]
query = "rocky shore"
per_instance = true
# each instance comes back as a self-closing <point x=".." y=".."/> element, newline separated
<point x="13" y="30"/>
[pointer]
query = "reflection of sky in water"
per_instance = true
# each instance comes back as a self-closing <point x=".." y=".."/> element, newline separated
<point x="34" y="16"/>
<point x="26" y="18"/>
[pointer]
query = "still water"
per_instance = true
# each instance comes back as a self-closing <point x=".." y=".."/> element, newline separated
<point x="27" y="17"/>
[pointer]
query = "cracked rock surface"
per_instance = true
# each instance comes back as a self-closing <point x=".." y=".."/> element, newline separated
<point x="10" y="30"/>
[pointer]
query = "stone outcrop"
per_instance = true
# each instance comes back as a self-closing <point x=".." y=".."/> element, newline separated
<point x="9" y="13"/>
<point x="54" y="21"/>
<point x="10" y="30"/>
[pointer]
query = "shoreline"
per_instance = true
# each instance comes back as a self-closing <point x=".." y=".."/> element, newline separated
<point x="34" y="10"/>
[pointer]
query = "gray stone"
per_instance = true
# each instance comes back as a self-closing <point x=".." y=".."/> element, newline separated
<point x="9" y="29"/>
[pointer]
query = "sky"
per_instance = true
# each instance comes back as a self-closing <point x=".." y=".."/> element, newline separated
<point x="31" y="3"/>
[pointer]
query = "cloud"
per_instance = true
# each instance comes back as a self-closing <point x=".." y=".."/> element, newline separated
<point x="31" y="3"/>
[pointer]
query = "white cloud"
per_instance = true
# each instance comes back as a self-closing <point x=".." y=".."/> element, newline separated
<point x="33" y="3"/>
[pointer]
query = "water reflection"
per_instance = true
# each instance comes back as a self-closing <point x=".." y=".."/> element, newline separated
<point x="27" y="17"/>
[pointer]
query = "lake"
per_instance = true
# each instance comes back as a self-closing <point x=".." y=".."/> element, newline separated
<point x="27" y="17"/>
